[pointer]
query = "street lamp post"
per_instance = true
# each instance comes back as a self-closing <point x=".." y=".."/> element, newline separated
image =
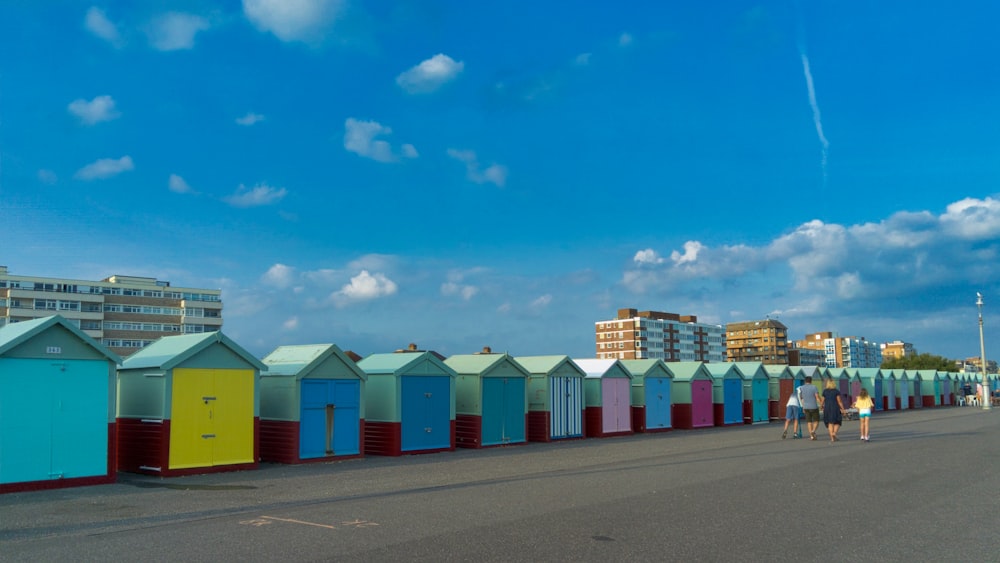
<point x="987" y="394"/>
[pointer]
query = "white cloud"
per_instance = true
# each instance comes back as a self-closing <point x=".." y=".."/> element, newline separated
<point x="101" y="108"/>
<point x="175" y="31"/>
<point x="360" y="138"/>
<point x="583" y="59"/>
<point x="292" y="20"/>
<point x="430" y="74"/>
<point x="364" y="287"/>
<point x="105" y="168"/>
<point x="494" y="174"/>
<point x="291" y="323"/>
<point x="972" y="218"/>
<point x="691" y="250"/>
<point x="625" y="39"/>
<point x="177" y="184"/>
<point x="279" y="276"/>
<point x="259" y="195"/>
<point x="825" y="269"/>
<point x="249" y="119"/>
<point x="96" y="22"/>
<point x="647" y="256"/>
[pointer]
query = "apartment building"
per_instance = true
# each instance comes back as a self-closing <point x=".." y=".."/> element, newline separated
<point x="763" y="341"/>
<point x="897" y="349"/>
<point x="124" y="313"/>
<point x="844" y="351"/>
<point x="635" y="335"/>
<point x="805" y="356"/>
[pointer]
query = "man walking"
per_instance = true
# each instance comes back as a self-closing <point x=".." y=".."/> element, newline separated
<point x="809" y="399"/>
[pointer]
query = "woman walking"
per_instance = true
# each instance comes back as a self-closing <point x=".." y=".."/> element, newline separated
<point x="864" y="404"/>
<point x="833" y="409"/>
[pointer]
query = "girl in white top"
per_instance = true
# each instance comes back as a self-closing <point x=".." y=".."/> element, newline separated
<point x="792" y="410"/>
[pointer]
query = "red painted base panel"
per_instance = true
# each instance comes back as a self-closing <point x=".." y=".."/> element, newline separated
<point x="638" y="418"/>
<point x="539" y="423"/>
<point x="279" y="443"/>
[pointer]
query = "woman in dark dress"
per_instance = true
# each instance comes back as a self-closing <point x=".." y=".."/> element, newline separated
<point x="833" y="408"/>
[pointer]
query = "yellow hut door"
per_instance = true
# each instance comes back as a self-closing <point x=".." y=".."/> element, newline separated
<point x="211" y="418"/>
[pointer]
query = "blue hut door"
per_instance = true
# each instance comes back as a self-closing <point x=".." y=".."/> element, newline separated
<point x="732" y="401"/>
<point x="329" y="423"/>
<point x="565" y="400"/>
<point x="426" y="416"/>
<point x="503" y="410"/>
<point x="657" y="402"/>
<point x="879" y="394"/>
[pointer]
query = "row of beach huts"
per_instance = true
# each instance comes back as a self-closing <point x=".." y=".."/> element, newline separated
<point x="73" y="413"/>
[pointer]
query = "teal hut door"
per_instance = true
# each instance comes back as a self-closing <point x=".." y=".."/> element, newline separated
<point x="760" y="393"/>
<point x="657" y="402"/>
<point x="503" y="410"/>
<point x="329" y="424"/>
<point x="53" y="420"/>
<point x="426" y="416"/>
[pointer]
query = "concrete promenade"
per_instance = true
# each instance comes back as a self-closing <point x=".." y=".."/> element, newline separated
<point x="924" y="489"/>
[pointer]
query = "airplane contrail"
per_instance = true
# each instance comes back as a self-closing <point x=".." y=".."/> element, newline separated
<point x="817" y="119"/>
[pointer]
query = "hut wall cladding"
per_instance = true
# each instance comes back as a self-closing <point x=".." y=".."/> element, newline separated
<point x="279" y="441"/>
<point x="468" y="431"/>
<point x="383" y="438"/>
<point x="539" y="423"/>
<point x="143" y="443"/>
<point x="681" y="416"/>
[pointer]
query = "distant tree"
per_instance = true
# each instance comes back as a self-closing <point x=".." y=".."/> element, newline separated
<point x="920" y="361"/>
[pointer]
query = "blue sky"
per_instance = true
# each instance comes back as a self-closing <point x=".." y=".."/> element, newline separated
<point x="463" y="174"/>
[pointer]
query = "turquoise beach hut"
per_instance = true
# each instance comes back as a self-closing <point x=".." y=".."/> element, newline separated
<point x="57" y="407"/>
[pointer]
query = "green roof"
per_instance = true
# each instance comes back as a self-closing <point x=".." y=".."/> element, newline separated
<point x="749" y="370"/>
<point x="546" y="364"/>
<point x="170" y="351"/>
<point x="479" y="364"/>
<point x="399" y="362"/>
<point x="302" y="359"/>
<point x="641" y="368"/>
<point x="687" y="371"/>
<point x="14" y="334"/>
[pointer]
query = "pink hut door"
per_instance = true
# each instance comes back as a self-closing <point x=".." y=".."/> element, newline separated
<point x="701" y="404"/>
<point x="616" y="405"/>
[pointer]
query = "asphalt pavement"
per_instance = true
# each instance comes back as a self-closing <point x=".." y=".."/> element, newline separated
<point x="921" y="490"/>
